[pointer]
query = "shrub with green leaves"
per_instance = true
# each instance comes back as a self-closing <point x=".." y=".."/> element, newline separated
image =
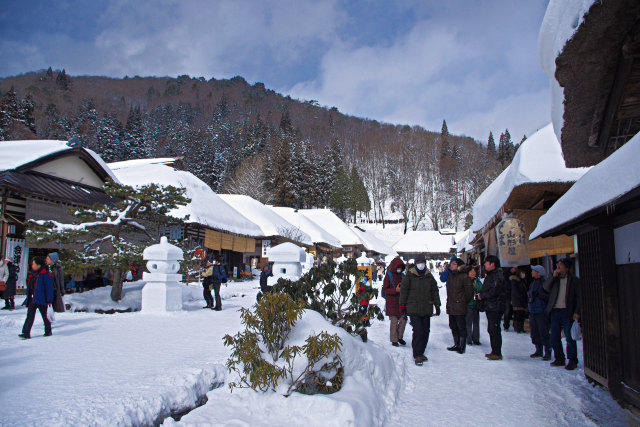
<point x="331" y="291"/>
<point x="262" y="360"/>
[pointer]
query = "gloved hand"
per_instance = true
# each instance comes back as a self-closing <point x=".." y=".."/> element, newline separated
<point x="437" y="310"/>
<point x="403" y="310"/>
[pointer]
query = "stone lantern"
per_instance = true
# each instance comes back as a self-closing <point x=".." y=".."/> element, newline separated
<point x="287" y="262"/>
<point x="162" y="292"/>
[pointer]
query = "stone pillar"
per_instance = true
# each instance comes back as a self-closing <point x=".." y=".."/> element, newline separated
<point x="162" y="292"/>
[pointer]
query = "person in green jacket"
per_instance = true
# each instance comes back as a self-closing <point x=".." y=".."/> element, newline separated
<point x="473" y="314"/>
<point x="418" y="298"/>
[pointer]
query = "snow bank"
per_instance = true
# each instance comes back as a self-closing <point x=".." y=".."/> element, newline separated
<point x="372" y="382"/>
<point x="561" y="21"/>
<point x="611" y="178"/>
<point x="206" y="207"/>
<point x="539" y="159"/>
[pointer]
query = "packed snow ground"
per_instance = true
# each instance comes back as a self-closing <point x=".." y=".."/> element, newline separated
<point x="134" y="369"/>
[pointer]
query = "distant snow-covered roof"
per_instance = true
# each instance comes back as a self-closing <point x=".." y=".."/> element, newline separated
<point x="269" y="221"/>
<point x="430" y="241"/>
<point x="206" y="207"/>
<point x="317" y="233"/>
<point x="14" y="154"/>
<point x="330" y="222"/>
<point x="538" y="160"/>
<point x="463" y="240"/>
<point x="372" y="243"/>
<point x="611" y="178"/>
<point x="561" y="20"/>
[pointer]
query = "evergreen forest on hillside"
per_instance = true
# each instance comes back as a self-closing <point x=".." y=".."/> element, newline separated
<point x="246" y="139"/>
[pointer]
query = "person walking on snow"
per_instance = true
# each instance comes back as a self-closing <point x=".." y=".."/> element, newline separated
<point x="39" y="297"/>
<point x="58" y="281"/>
<point x="564" y="307"/>
<point x="391" y="286"/>
<point x="459" y="294"/>
<point x="444" y="275"/>
<point x="219" y="275"/>
<point x="418" y="297"/>
<point x="538" y="318"/>
<point x="492" y="296"/>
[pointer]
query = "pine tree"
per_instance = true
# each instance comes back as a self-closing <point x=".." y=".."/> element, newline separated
<point x="109" y="137"/>
<point x="134" y="135"/>
<point x="339" y="197"/>
<point x="63" y="81"/>
<point x="358" y="198"/>
<point x="491" y="145"/>
<point x="111" y="236"/>
<point x="445" y="147"/>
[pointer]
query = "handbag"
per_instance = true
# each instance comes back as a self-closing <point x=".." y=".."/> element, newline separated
<point x="576" y="331"/>
<point x="3" y="286"/>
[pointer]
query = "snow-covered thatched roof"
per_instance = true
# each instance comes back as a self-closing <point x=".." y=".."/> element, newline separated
<point x="269" y="222"/>
<point x="430" y="241"/>
<point x="330" y="222"/>
<point x="317" y="234"/>
<point x="464" y="239"/>
<point x="372" y="243"/>
<point x="538" y="160"/>
<point x="206" y="207"/>
<point x="561" y="21"/>
<point x="17" y="154"/>
<point x="613" y="177"/>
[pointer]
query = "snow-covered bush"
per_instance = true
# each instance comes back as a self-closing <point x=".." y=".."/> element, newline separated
<point x="261" y="358"/>
<point x="330" y="290"/>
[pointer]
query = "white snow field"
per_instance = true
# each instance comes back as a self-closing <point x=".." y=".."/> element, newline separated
<point x="135" y="369"/>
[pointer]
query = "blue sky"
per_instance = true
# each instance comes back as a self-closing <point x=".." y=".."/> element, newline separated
<point x="473" y="63"/>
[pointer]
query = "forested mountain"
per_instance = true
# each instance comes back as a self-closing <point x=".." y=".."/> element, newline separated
<point x="247" y="139"/>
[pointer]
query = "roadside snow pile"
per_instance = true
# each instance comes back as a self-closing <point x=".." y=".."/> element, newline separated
<point x="100" y="298"/>
<point x="372" y="380"/>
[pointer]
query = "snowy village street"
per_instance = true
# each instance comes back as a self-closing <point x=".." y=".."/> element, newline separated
<point x="134" y="369"/>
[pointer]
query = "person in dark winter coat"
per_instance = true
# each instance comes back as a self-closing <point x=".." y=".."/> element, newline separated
<point x="459" y="294"/>
<point x="9" y="275"/>
<point x="40" y="296"/>
<point x="473" y="315"/>
<point x="538" y="318"/>
<point x="418" y="298"/>
<point x="264" y="276"/>
<point x="508" y="308"/>
<point x="564" y="307"/>
<point x="58" y="281"/>
<point x="219" y="275"/>
<point x="391" y="286"/>
<point x="492" y="296"/>
<point x="518" y="298"/>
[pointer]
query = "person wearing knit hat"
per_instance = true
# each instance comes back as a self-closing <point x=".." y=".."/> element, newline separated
<point x="538" y="319"/>
<point x="539" y="269"/>
<point x="58" y="281"/>
<point x="564" y="308"/>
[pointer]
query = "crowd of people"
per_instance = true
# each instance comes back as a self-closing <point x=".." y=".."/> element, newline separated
<point x="552" y="303"/>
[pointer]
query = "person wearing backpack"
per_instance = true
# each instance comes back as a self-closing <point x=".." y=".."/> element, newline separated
<point x="219" y="275"/>
<point x="391" y="290"/>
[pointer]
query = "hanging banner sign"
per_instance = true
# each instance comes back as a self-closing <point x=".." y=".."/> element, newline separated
<point x="17" y="249"/>
<point x="512" y="242"/>
<point x="266" y="244"/>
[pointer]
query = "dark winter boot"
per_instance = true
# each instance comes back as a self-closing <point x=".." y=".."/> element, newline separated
<point x="455" y="346"/>
<point x="12" y="302"/>
<point x="462" y="345"/>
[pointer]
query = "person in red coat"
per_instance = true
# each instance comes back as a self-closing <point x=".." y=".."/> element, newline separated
<point x="391" y="286"/>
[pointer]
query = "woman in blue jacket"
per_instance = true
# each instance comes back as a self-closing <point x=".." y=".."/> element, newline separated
<point x="39" y="297"/>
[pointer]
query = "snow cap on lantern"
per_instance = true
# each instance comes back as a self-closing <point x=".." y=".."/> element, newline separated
<point x="287" y="260"/>
<point x="363" y="260"/>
